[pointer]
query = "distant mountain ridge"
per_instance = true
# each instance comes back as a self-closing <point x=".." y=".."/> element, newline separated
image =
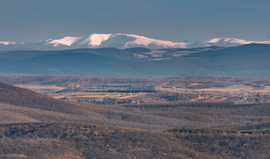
<point x="250" y="60"/>
<point x="119" y="40"/>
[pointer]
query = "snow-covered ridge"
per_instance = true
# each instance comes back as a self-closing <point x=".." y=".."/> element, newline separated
<point x="121" y="41"/>
<point x="141" y="40"/>
<point x="95" y="40"/>
<point x="236" y="41"/>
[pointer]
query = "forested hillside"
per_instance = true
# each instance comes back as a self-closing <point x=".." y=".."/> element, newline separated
<point x="81" y="140"/>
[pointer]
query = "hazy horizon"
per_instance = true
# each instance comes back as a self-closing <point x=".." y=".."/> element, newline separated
<point x="174" y="20"/>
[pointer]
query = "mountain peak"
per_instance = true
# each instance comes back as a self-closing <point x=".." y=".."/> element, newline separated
<point x="96" y="39"/>
<point x="121" y="41"/>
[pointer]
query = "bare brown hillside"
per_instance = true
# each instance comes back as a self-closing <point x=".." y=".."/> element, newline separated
<point x="22" y="105"/>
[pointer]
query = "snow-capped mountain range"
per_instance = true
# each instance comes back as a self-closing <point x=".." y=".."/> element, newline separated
<point x="120" y="40"/>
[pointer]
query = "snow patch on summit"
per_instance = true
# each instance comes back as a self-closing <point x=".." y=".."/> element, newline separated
<point x="141" y="40"/>
<point x="67" y="40"/>
<point x="96" y="39"/>
<point x="7" y="43"/>
<point x="237" y="41"/>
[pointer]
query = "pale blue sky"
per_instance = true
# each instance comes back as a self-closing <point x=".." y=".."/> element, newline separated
<point x="176" y="20"/>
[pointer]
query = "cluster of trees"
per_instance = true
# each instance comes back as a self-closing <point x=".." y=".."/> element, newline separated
<point x="178" y="96"/>
<point x="187" y="104"/>
<point x="255" y="132"/>
<point x="202" y="131"/>
<point x="127" y="91"/>
<point x="107" y="101"/>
